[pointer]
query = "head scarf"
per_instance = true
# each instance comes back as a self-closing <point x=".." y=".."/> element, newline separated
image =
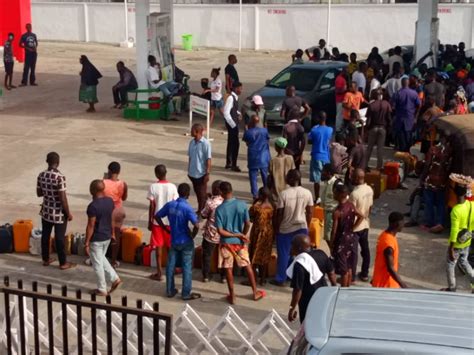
<point x="89" y="74"/>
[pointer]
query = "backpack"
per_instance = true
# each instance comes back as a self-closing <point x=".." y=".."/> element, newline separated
<point x="6" y="238"/>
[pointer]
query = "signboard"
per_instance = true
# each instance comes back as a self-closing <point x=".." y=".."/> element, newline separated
<point x="198" y="105"/>
<point x="201" y="107"/>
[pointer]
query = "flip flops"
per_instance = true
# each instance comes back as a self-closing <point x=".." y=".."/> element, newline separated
<point x="260" y="294"/>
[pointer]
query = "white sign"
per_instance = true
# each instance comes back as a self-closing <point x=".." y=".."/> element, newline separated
<point x="200" y="106"/>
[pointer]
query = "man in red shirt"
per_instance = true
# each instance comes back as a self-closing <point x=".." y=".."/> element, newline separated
<point x="341" y="88"/>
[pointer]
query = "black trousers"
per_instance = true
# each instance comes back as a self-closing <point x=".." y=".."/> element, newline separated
<point x="233" y="145"/>
<point x="29" y="67"/>
<point x="200" y="189"/>
<point x="59" y="234"/>
<point x="363" y="241"/>
<point x="120" y="94"/>
<point x="207" y="250"/>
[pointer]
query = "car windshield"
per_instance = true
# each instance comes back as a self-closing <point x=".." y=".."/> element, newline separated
<point x="301" y="78"/>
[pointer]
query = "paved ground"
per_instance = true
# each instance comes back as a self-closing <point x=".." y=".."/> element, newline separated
<point x="49" y="117"/>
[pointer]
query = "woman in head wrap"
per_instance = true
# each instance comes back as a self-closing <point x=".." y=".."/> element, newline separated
<point x="89" y="80"/>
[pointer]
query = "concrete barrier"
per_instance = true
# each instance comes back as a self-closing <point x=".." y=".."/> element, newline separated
<point x="273" y="27"/>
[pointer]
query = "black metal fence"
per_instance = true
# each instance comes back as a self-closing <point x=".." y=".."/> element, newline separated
<point x="86" y="313"/>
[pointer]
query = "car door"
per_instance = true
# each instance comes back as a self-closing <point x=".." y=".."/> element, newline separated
<point x="325" y="99"/>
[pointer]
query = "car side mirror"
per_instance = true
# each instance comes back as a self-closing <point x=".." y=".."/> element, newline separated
<point x="267" y="81"/>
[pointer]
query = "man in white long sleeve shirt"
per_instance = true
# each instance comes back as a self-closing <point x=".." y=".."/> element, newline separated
<point x="155" y="79"/>
<point x="232" y="116"/>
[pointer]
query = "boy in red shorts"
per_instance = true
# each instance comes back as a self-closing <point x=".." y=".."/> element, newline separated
<point x="159" y="194"/>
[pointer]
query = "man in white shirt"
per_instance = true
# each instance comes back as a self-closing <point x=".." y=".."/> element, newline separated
<point x="155" y="79"/>
<point x="323" y="52"/>
<point x="160" y="193"/>
<point x="395" y="58"/>
<point x="359" y="77"/>
<point x="363" y="198"/>
<point x="293" y="216"/>
<point x="232" y="117"/>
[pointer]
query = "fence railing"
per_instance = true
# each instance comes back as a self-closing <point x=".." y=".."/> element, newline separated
<point x="75" y="325"/>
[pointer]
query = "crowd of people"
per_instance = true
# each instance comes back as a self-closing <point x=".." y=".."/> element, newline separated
<point x="402" y="104"/>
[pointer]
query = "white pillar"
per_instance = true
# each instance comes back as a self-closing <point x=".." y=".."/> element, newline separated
<point x="142" y="10"/>
<point x="125" y="9"/>
<point x="167" y="6"/>
<point x="257" y="28"/>
<point x="86" y="22"/>
<point x="240" y="25"/>
<point x="328" y="31"/>
<point x="426" y="37"/>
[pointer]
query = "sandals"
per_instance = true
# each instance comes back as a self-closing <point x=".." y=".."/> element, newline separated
<point x="117" y="283"/>
<point x="155" y="277"/>
<point x="98" y="293"/>
<point x="192" y="296"/>
<point x="259" y="295"/>
<point x="49" y="262"/>
<point x="67" y="266"/>
<point x="230" y="299"/>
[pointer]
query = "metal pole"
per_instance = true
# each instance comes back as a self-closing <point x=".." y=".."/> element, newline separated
<point x="208" y="121"/>
<point x="125" y="7"/>
<point x="240" y="25"/>
<point x="329" y="23"/>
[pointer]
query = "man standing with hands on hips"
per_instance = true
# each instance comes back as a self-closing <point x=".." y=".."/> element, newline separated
<point x="29" y="42"/>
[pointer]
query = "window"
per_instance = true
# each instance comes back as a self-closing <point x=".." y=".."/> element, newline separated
<point x="301" y="78"/>
<point x="328" y="80"/>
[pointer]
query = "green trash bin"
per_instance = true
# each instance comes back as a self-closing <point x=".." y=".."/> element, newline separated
<point x="187" y="42"/>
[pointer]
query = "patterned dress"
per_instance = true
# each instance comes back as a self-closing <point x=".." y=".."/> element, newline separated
<point x="345" y="240"/>
<point x="261" y="236"/>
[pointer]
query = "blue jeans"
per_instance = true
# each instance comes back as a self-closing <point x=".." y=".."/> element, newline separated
<point x="283" y="242"/>
<point x="434" y="207"/>
<point x="253" y="176"/>
<point x="460" y="256"/>
<point x="185" y="251"/>
<point x="170" y="88"/>
<point x="102" y="268"/>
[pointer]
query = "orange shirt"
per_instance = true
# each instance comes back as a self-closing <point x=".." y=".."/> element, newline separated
<point x="114" y="190"/>
<point x="353" y="100"/>
<point x="381" y="276"/>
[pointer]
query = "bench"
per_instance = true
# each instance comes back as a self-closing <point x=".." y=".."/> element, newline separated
<point x="139" y="109"/>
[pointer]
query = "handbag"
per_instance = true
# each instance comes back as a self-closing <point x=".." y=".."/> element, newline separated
<point x="465" y="234"/>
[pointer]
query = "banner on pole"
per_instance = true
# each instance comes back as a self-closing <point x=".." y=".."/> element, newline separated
<point x="198" y="105"/>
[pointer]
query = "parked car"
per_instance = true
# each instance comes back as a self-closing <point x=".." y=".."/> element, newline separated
<point x="386" y="321"/>
<point x="314" y="81"/>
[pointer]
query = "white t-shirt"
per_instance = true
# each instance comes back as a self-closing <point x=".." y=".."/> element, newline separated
<point x="294" y="201"/>
<point x="162" y="192"/>
<point x="391" y="60"/>
<point x="151" y="76"/>
<point x="216" y="84"/>
<point x="363" y="198"/>
<point x="359" y="78"/>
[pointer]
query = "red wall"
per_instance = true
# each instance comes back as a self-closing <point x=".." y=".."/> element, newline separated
<point x="14" y="15"/>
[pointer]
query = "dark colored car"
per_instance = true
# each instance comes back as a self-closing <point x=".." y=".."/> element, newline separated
<point x="314" y="81"/>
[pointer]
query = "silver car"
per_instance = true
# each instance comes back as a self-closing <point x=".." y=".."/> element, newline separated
<point x="386" y="321"/>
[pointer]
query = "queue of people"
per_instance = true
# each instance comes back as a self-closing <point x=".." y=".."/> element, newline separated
<point x="403" y="109"/>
